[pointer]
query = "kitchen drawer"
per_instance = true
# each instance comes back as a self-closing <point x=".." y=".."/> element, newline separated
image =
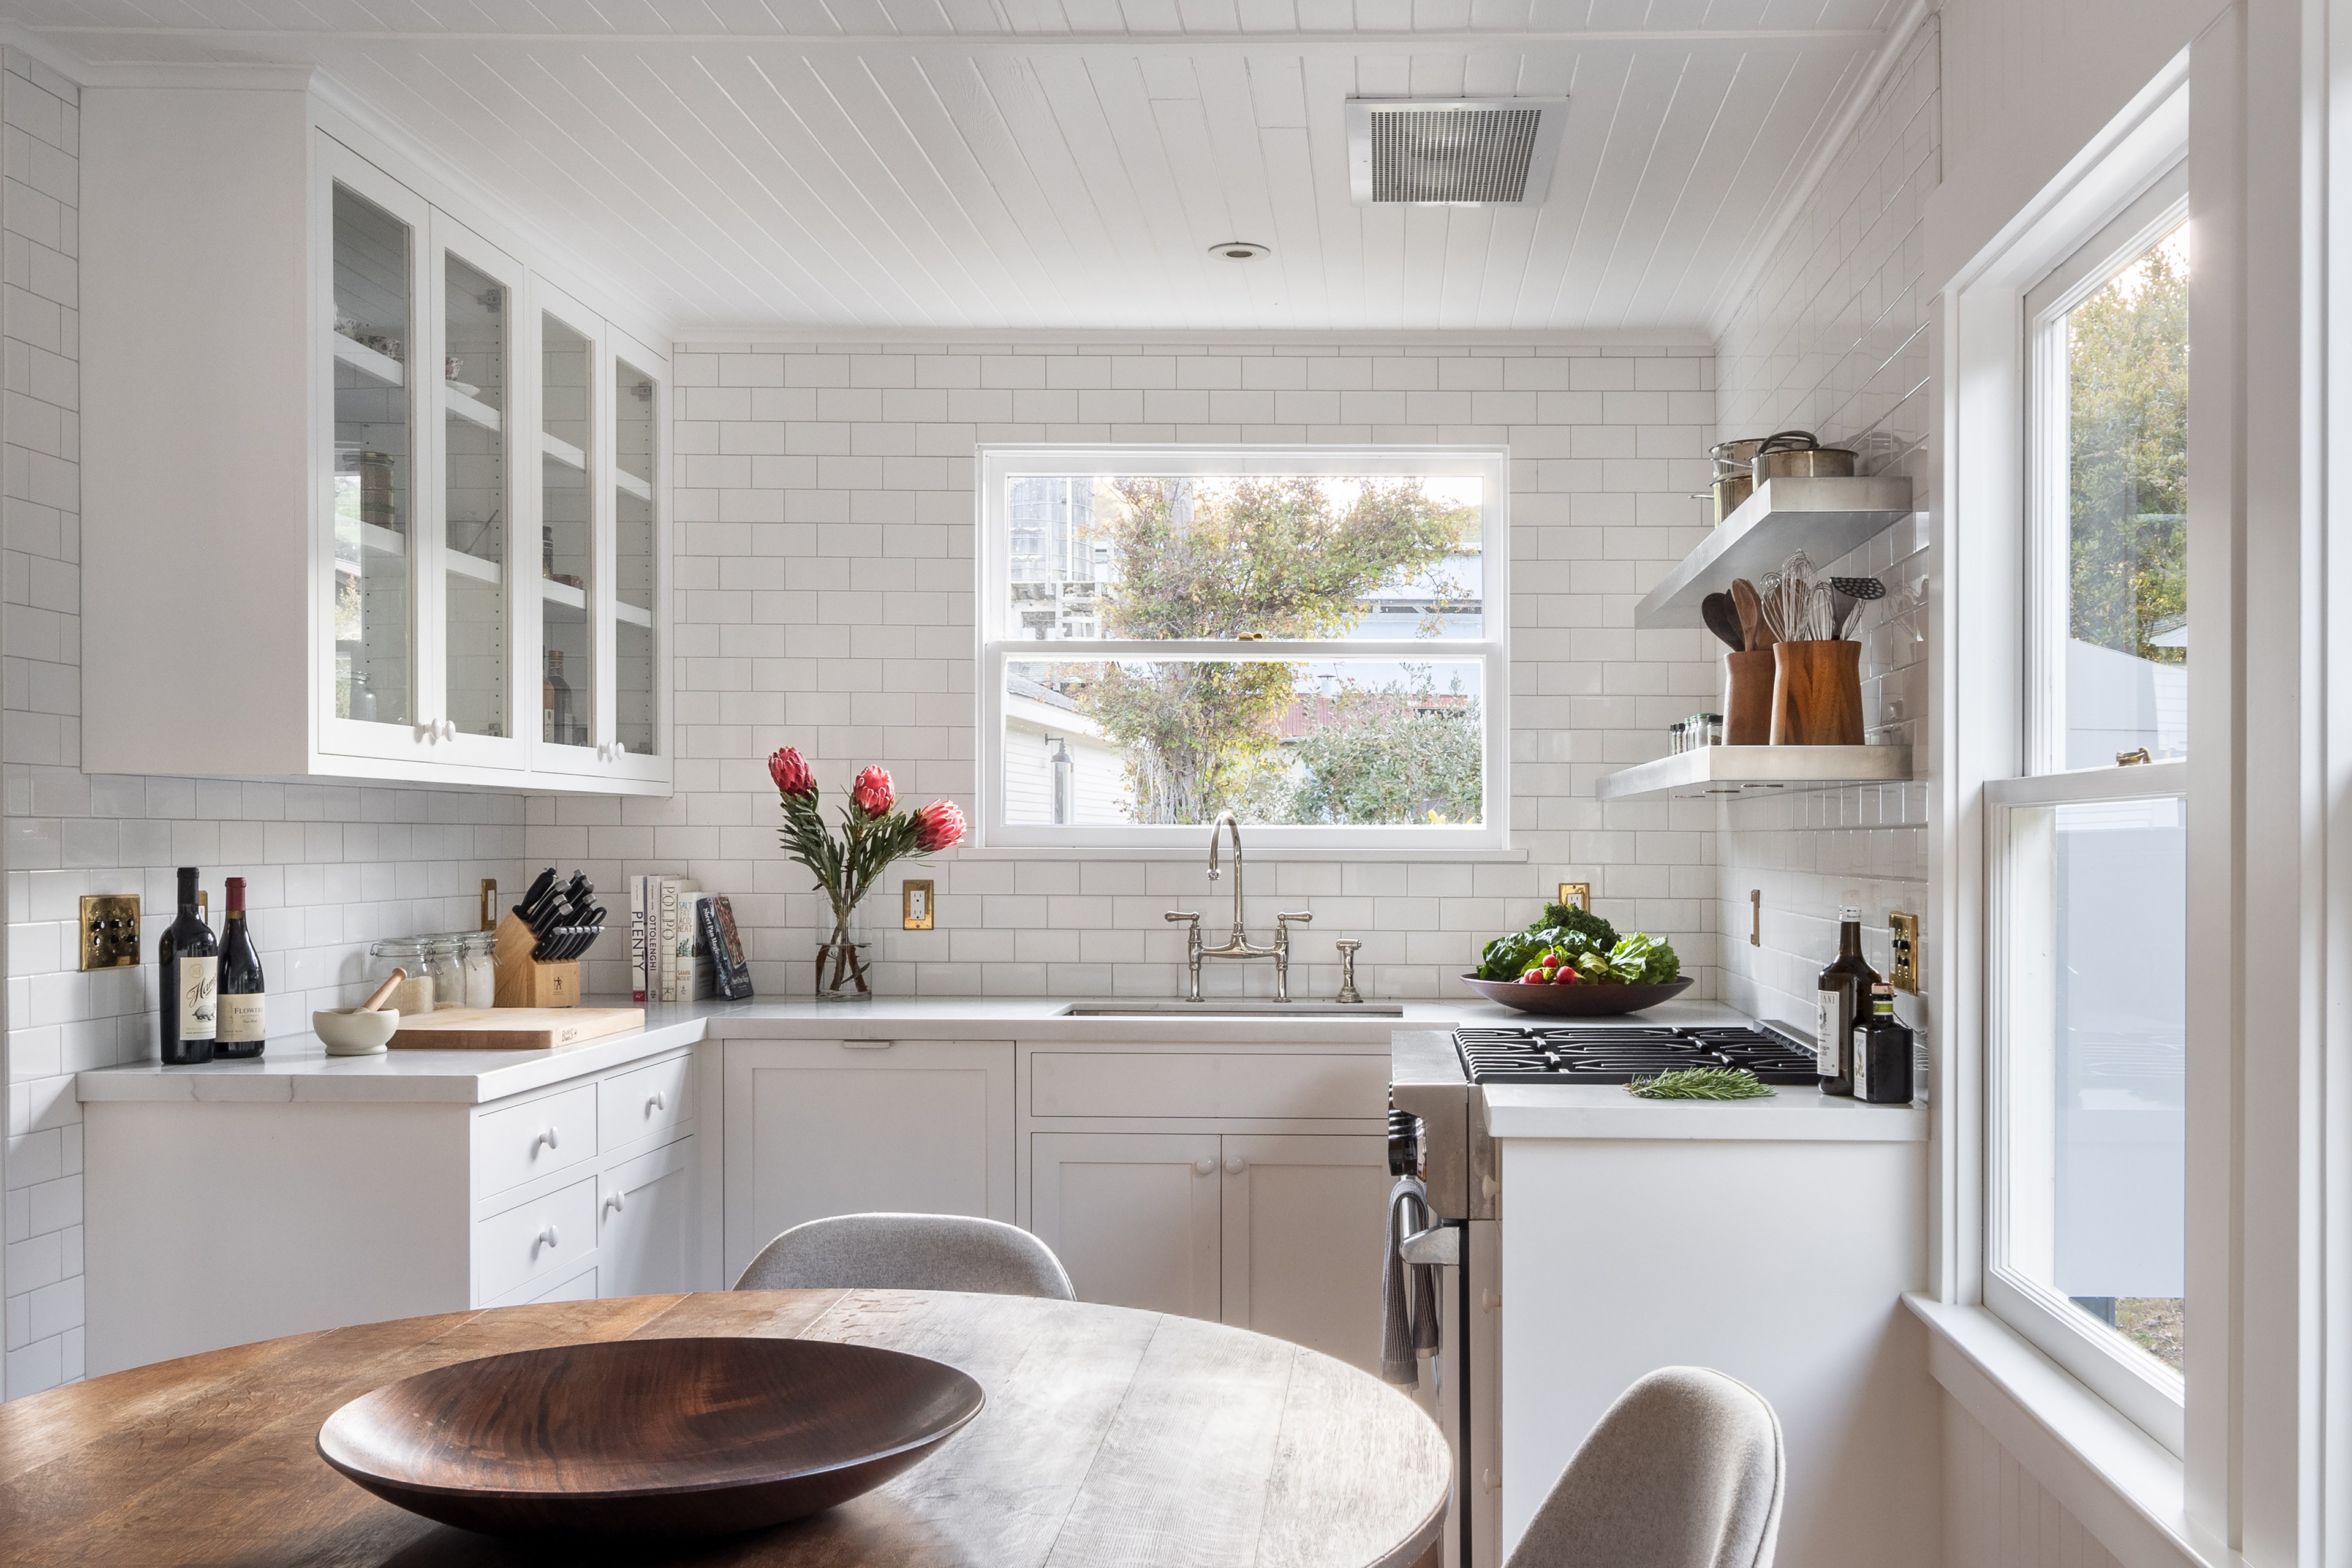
<point x="1207" y="1083"/>
<point x="517" y="1145"/>
<point x="539" y="1238"/>
<point x="642" y="1105"/>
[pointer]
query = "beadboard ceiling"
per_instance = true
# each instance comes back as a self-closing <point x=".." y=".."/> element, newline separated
<point x="957" y="164"/>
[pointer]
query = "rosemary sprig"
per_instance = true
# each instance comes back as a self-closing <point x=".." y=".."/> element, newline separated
<point x="1701" y="1084"/>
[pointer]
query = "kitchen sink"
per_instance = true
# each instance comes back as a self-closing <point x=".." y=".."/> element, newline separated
<point x="1236" y="1010"/>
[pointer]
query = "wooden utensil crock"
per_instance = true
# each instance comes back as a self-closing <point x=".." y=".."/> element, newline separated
<point x="1816" y="694"/>
<point x="1747" y="697"/>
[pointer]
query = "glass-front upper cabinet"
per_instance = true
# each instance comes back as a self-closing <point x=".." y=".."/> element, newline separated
<point x="567" y="538"/>
<point x="481" y="493"/>
<point x="378" y="302"/>
<point x="637" y="423"/>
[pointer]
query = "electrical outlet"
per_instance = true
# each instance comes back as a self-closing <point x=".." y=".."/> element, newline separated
<point x="1756" y="917"/>
<point x="1577" y="893"/>
<point x="109" y="931"/>
<point x="915" y="903"/>
<point x="1903" y="952"/>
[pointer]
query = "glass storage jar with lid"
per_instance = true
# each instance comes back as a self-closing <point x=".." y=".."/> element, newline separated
<point x="482" y="971"/>
<point x="444" y="960"/>
<point x="414" y="993"/>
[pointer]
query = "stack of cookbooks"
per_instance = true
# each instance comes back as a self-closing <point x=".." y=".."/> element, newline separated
<point x="683" y="945"/>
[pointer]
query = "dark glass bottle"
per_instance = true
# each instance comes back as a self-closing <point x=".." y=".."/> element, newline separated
<point x="555" y="696"/>
<point x="1844" y="992"/>
<point x="244" y="999"/>
<point x="1882" y="1052"/>
<point x="188" y="997"/>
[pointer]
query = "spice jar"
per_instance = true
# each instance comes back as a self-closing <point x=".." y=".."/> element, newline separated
<point x="414" y="995"/>
<point x="482" y="971"/>
<point x="444" y="960"/>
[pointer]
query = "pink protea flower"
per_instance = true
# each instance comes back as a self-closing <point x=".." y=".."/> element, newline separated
<point x="790" y="771"/>
<point x="938" y="825"/>
<point x="872" y="794"/>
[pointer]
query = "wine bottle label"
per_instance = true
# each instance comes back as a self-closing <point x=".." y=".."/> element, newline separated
<point x="1861" y="1062"/>
<point x="1826" y="1032"/>
<point x="242" y="1015"/>
<point x="199" y="983"/>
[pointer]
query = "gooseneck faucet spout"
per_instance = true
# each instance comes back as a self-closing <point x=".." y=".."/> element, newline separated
<point x="1227" y="820"/>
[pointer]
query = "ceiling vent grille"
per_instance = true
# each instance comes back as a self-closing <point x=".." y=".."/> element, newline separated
<point x="1481" y="152"/>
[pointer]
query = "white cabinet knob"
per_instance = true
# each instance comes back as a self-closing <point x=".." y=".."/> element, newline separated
<point x="617" y="1202"/>
<point x="547" y="1136"/>
<point x="656" y="1103"/>
<point x="620" y="749"/>
<point x="1488" y="1185"/>
<point x="448" y="729"/>
<point x="1488" y="1300"/>
<point x="1204" y="1166"/>
<point x="1236" y="1164"/>
<point x="547" y="1237"/>
<point x="1488" y="1482"/>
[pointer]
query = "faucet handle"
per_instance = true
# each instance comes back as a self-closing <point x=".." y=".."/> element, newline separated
<point x="1287" y="919"/>
<point x="1347" y="992"/>
<point x="1175" y="915"/>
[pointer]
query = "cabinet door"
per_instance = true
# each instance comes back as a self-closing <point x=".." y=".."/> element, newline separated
<point x="573" y="414"/>
<point x="474" y="371"/>
<point x="1303" y="1216"/>
<point x="817" y="1128"/>
<point x="372" y="688"/>
<point x="647" y="1224"/>
<point x="1133" y="1216"/>
<point x="631" y="697"/>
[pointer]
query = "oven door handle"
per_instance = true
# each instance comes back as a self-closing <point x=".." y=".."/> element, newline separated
<point x="1440" y="1244"/>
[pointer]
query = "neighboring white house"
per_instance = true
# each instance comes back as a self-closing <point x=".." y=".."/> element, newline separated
<point x="1043" y="729"/>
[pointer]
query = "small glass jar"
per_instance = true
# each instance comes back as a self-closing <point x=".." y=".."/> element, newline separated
<point x="1678" y="738"/>
<point x="444" y="960"/>
<point x="481" y="972"/>
<point x="414" y="995"/>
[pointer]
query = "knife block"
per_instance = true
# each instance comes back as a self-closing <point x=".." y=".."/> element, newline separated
<point x="522" y="980"/>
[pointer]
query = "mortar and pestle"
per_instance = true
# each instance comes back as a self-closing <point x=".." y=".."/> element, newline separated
<point x="363" y="1030"/>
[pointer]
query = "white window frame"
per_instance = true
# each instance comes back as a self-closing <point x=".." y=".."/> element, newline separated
<point x="2135" y="1382"/>
<point x="999" y="465"/>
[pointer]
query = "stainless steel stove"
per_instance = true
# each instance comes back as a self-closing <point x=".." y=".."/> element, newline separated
<point x="1621" y="1052"/>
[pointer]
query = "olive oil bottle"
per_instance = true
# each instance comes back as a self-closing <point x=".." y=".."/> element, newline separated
<point x="1882" y="1052"/>
<point x="1844" y="995"/>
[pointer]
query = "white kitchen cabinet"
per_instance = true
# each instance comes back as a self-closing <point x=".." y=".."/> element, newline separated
<point x="823" y="1127"/>
<point x="1134" y="1216"/>
<point x="349" y="1211"/>
<point x="341" y="428"/>
<point x="1302" y="1218"/>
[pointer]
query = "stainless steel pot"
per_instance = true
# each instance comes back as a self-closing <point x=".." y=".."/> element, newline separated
<point x="1806" y="463"/>
<point x="1734" y="466"/>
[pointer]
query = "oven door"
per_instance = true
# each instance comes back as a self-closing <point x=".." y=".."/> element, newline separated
<point x="1461" y="1388"/>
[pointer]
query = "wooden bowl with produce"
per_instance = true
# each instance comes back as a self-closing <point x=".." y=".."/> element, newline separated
<point x="1571" y="962"/>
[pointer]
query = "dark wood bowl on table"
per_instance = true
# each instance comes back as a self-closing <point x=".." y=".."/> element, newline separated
<point x="646" y="1436"/>
<point x="1591" y="999"/>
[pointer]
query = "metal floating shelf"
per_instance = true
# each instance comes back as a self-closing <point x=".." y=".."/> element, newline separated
<point x="1823" y="517"/>
<point x="1747" y="772"/>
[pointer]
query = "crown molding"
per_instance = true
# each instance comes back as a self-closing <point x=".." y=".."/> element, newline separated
<point x="769" y="334"/>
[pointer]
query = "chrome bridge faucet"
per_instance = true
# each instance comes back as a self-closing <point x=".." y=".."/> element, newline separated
<point x="1238" y="946"/>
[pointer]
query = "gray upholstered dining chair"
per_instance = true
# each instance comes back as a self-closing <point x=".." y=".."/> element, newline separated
<point x="1683" y="1471"/>
<point x="909" y="1252"/>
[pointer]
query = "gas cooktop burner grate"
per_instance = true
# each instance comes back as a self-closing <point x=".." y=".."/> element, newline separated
<point x="1618" y="1053"/>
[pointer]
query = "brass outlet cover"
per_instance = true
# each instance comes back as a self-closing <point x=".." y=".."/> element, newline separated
<point x="916" y="900"/>
<point x="1577" y="893"/>
<point x="109" y="931"/>
<point x="1756" y="917"/>
<point x="1903" y="952"/>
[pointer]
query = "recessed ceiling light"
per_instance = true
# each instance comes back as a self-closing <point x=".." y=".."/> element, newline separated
<point x="1240" y="250"/>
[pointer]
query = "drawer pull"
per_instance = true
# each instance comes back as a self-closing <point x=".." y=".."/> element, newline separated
<point x="547" y="1136"/>
<point x="547" y="1238"/>
<point x="1204" y="1166"/>
<point x="656" y="1103"/>
<point x="617" y="1202"/>
<point x="1236" y="1164"/>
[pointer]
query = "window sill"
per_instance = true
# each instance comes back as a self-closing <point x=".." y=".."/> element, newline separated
<point x="2125" y="1487"/>
<point x="1258" y="857"/>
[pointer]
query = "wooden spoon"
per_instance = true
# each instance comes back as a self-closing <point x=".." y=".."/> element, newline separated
<point x="1722" y="618"/>
<point x="1755" y="636"/>
<point x="390" y="981"/>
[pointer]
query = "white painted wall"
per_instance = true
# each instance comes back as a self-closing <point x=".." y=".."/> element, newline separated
<point x="824" y="524"/>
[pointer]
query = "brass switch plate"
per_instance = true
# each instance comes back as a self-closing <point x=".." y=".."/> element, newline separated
<point x="109" y="931"/>
<point x="1903" y="952"/>
<point x="916" y="901"/>
<point x="1577" y="893"/>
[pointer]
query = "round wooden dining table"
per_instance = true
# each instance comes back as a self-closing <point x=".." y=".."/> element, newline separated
<point x="1111" y="1438"/>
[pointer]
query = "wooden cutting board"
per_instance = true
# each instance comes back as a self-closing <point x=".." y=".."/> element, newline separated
<point x="511" y="1029"/>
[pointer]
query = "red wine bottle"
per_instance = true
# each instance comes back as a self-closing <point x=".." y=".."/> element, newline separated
<point x="244" y="999"/>
<point x="188" y="1006"/>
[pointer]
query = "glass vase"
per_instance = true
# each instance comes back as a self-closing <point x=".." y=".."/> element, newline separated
<point x="844" y="962"/>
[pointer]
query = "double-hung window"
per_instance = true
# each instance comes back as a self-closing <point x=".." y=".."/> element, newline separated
<point x="1311" y="638"/>
<point x="2085" y="1245"/>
